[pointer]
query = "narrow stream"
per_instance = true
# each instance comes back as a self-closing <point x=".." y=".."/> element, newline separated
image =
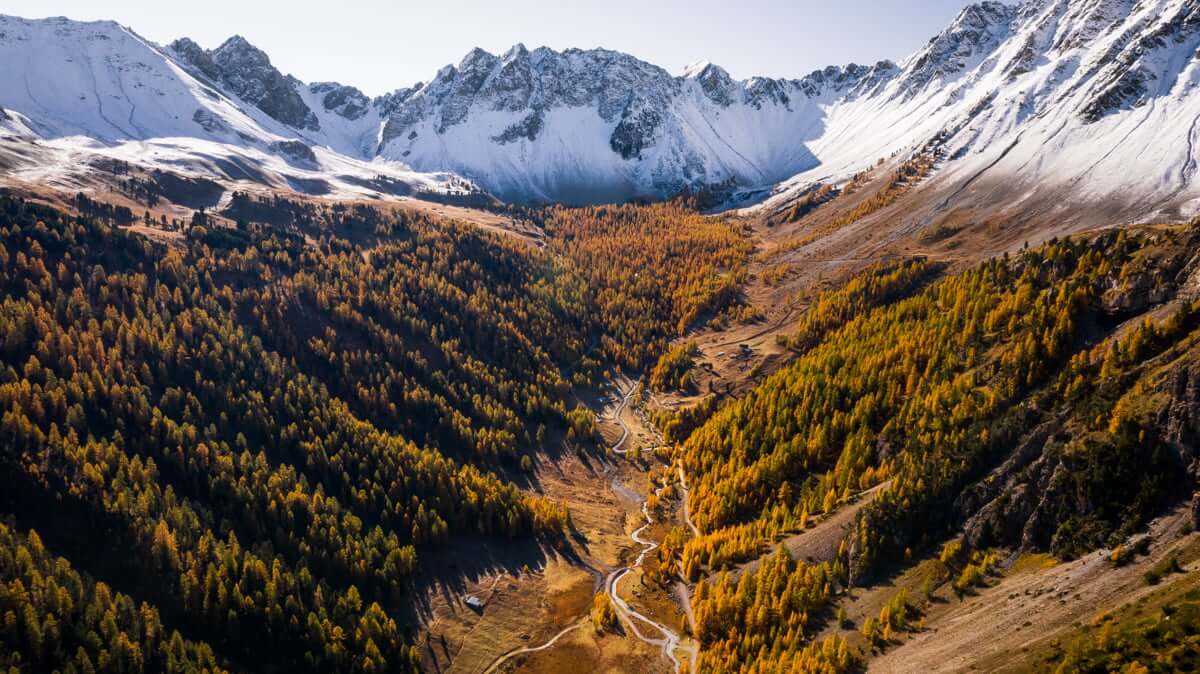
<point x="670" y="639"/>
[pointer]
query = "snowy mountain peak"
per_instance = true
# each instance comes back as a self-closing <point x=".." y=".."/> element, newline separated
<point x="714" y="81"/>
<point x="477" y="60"/>
<point x="79" y="94"/>
<point x="694" y="69"/>
<point x="1053" y="102"/>
<point x="1026" y="92"/>
<point x="246" y="71"/>
<point x="517" y="51"/>
<point x="973" y="35"/>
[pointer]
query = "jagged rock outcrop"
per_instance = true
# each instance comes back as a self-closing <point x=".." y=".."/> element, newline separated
<point x="715" y="82"/>
<point x="521" y="80"/>
<point x="197" y="57"/>
<point x="209" y="122"/>
<point x="527" y="128"/>
<point x="246" y="71"/>
<point x="1035" y="97"/>
<point x="1001" y="507"/>
<point x="296" y="152"/>
<point x="1196" y="511"/>
<point x="390" y="102"/>
<point x="973" y="36"/>
<point x="1180" y="418"/>
<point x="1127" y="79"/>
<point x="851" y="81"/>
<point x="342" y="100"/>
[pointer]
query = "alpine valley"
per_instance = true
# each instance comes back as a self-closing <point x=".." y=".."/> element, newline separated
<point x="563" y="362"/>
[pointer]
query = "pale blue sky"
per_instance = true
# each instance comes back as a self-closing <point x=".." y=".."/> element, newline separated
<point x="380" y="45"/>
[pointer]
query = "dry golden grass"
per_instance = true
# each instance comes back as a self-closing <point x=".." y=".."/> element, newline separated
<point x="1036" y="603"/>
<point x="529" y="609"/>
<point x="1032" y="561"/>
<point x="586" y="651"/>
<point x="652" y="600"/>
<point x="458" y="639"/>
<point x="568" y="594"/>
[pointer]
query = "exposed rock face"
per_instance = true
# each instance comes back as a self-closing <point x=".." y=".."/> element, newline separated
<point x="1002" y="508"/>
<point x="1023" y="62"/>
<point x="522" y="80"/>
<point x="761" y="91"/>
<point x="716" y="84"/>
<point x="389" y="103"/>
<point x="197" y="57"/>
<point x="973" y="36"/>
<point x="1089" y="21"/>
<point x="209" y="122"/>
<point x="1181" y="418"/>
<point x="635" y="132"/>
<point x="296" y="151"/>
<point x="1129" y="75"/>
<point x="1196" y="511"/>
<point x="342" y="100"/>
<point x="248" y="72"/>
<point x="852" y="80"/>
<point x="245" y="71"/>
<point x="527" y="128"/>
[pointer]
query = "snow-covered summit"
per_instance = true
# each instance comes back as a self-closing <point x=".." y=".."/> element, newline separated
<point x="98" y="88"/>
<point x="1093" y="101"/>
<point x="1095" y="97"/>
<point x="587" y="125"/>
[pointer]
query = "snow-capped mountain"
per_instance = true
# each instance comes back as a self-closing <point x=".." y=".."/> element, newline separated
<point x="75" y="92"/>
<point x="1091" y="98"/>
<point x="599" y="125"/>
<point x="1094" y="98"/>
<point x="1092" y="101"/>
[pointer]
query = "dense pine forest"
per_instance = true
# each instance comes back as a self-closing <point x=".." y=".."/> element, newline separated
<point x="655" y="270"/>
<point x="1039" y="401"/>
<point x="255" y="434"/>
<point x="249" y="436"/>
<point x="202" y="433"/>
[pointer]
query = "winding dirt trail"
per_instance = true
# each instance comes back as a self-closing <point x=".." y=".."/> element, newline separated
<point x="687" y="515"/>
<point x="670" y="641"/>
<point x="533" y="649"/>
<point x="616" y="416"/>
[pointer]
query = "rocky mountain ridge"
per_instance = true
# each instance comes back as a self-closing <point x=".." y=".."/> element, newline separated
<point x="1104" y="83"/>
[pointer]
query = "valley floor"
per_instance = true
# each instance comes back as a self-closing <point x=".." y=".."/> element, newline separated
<point x="539" y="621"/>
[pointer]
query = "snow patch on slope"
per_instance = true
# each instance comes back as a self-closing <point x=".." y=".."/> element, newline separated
<point x="98" y="89"/>
<point x="1095" y="98"/>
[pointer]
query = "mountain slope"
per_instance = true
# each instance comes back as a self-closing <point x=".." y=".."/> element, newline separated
<point x="1085" y="100"/>
<point x="78" y="90"/>
<point x="598" y="125"/>
<point x="1066" y="102"/>
<point x="1058" y="95"/>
